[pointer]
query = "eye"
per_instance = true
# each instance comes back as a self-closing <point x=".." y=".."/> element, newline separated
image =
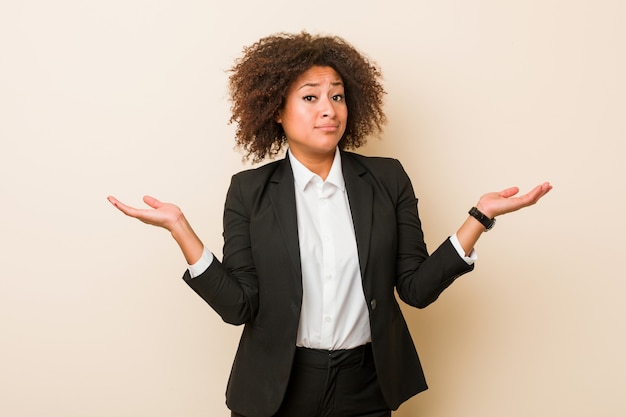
<point x="338" y="97"/>
<point x="308" y="98"/>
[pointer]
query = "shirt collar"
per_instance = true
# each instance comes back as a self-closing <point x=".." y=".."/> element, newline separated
<point x="303" y="176"/>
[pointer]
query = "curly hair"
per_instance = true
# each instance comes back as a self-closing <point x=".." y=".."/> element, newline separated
<point x="261" y="77"/>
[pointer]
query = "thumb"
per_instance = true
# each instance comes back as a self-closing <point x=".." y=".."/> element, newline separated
<point x="509" y="192"/>
<point x="152" y="202"/>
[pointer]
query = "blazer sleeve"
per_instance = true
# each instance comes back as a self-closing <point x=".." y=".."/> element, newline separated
<point x="421" y="277"/>
<point x="231" y="288"/>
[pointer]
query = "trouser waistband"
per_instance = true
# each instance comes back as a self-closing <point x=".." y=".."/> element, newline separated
<point x="320" y="358"/>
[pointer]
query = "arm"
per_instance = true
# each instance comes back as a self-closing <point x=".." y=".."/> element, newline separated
<point x="230" y="290"/>
<point x="422" y="277"/>
<point x="231" y="287"/>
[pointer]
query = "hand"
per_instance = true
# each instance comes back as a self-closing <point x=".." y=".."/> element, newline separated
<point x="170" y="217"/>
<point x="163" y="215"/>
<point x="496" y="204"/>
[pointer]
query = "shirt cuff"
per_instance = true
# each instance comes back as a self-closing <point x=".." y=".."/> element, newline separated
<point x="202" y="264"/>
<point x="472" y="255"/>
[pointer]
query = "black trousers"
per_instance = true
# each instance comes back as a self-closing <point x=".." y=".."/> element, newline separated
<point x="341" y="383"/>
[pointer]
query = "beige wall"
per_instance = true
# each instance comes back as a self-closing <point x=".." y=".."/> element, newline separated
<point x="128" y="98"/>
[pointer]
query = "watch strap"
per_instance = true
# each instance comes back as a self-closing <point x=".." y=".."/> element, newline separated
<point x="482" y="218"/>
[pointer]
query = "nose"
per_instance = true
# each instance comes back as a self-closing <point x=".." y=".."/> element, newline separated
<point x="327" y="107"/>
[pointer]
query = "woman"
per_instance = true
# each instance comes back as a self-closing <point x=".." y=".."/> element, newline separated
<point x="316" y="243"/>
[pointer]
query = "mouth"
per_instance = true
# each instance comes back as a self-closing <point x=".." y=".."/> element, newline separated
<point x="328" y="128"/>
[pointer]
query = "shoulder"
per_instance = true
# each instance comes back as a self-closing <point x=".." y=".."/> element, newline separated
<point x="382" y="168"/>
<point x="251" y="185"/>
<point x="386" y="175"/>
<point x="260" y="174"/>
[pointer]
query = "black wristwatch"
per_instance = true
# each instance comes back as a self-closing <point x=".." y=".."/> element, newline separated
<point x="484" y="220"/>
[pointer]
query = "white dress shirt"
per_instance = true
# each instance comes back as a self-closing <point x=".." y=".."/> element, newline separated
<point x="334" y="313"/>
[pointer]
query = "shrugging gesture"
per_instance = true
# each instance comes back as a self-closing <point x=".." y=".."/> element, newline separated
<point x="318" y="244"/>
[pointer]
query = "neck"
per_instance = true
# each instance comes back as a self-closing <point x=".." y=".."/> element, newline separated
<point x="317" y="164"/>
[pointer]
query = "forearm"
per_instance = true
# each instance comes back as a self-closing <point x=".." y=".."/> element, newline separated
<point x="424" y="281"/>
<point x="469" y="233"/>
<point x="187" y="240"/>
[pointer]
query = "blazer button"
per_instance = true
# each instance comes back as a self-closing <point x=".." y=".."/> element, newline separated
<point x="373" y="304"/>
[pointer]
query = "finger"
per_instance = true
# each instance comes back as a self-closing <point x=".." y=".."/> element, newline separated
<point x="535" y="194"/>
<point x="127" y="210"/>
<point x="539" y="191"/>
<point x="546" y="187"/>
<point x="117" y="204"/>
<point x="152" y="202"/>
<point x="543" y="189"/>
<point x="509" y="192"/>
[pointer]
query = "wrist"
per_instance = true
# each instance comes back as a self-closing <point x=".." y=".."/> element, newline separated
<point x="482" y="218"/>
<point x="181" y="229"/>
<point x="187" y="240"/>
<point x="485" y="210"/>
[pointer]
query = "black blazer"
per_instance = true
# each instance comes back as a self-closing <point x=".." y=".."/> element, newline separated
<point x="259" y="282"/>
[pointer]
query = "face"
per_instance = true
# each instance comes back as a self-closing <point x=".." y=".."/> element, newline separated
<point x="315" y="114"/>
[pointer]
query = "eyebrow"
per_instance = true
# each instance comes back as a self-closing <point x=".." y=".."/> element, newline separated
<point x="333" y="84"/>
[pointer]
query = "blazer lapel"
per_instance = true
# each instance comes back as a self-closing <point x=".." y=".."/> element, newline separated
<point x="283" y="199"/>
<point x="360" y="195"/>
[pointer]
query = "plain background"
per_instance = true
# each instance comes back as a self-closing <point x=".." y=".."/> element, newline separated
<point x="129" y="98"/>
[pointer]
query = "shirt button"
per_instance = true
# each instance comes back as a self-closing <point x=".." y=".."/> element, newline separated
<point x="373" y="304"/>
<point x="329" y="276"/>
<point x="327" y="319"/>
